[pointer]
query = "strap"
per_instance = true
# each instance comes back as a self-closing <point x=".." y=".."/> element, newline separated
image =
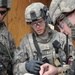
<point x="66" y="20"/>
<point x="37" y="47"/>
<point x="73" y="32"/>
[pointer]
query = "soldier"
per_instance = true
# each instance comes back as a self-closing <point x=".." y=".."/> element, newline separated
<point x="7" y="45"/>
<point x="62" y="13"/>
<point x="37" y="48"/>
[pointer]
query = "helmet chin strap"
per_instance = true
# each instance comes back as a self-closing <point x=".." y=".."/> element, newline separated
<point x="68" y="22"/>
<point x="5" y="14"/>
<point x="73" y="32"/>
<point x="1" y="21"/>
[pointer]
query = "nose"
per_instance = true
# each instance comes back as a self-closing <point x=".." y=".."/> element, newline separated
<point x="37" y="26"/>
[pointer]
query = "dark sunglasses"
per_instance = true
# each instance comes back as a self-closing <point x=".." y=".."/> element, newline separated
<point x="2" y="12"/>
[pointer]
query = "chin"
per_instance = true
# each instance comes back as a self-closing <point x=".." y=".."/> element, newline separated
<point x="39" y="33"/>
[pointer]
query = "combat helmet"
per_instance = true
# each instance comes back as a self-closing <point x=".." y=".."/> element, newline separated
<point x="57" y="7"/>
<point x="5" y="4"/>
<point x="35" y="11"/>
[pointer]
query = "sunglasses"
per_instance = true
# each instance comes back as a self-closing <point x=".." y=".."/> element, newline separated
<point x="2" y="12"/>
<point x="39" y="23"/>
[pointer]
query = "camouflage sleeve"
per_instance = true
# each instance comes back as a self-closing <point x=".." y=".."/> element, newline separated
<point x="7" y="39"/>
<point x="6" y="53"/>
<point x="72" y="52"/>
<point x="12" y="46"/>
<point x="20" y="57"/>
<point x="71" y="48"/>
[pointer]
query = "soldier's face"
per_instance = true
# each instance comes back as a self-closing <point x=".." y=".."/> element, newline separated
<point x="38" y="26"/>
<point x="64" y="27"/>
<point x="2" y="13"/>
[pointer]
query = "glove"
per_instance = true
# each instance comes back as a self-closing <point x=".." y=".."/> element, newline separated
<point x="33" y="66"/>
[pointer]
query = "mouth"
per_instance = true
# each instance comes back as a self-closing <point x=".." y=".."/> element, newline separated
<point x="39" y="30"/>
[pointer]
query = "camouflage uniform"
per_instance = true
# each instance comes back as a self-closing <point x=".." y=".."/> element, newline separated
<point x="27" y="51"/>
<point x="62" y="7"/>
<point x="58" y="7"/>
<point x="7" y="46"/>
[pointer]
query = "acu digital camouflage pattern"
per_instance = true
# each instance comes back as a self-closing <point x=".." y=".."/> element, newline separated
<point x="33" y="8"/>
<point x="27" y="51"/>
<point x="59" y="6"/>
<point x="7" y="47"/>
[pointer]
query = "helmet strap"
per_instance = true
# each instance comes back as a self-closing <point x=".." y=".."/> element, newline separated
<point x="71" y="26"/>
<point x="68" y="22"/>
<point x="73" y="32"/>
<point x="64" y="18"/>
<point x="4" y="16"/>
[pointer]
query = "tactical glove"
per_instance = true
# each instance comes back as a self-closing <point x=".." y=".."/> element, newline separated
<point x="33" y="66"/>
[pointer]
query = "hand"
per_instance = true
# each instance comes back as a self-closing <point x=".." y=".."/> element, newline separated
<point x="33" y="66"/>
<point x="47" y="69"/>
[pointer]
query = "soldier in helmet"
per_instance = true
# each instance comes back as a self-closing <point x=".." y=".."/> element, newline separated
<point x="7" y="45"/>
<point x="39" y="47"/>
<point x="62" y="13"/>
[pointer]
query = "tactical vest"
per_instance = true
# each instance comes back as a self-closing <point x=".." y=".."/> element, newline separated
<point x="46" y="49"/>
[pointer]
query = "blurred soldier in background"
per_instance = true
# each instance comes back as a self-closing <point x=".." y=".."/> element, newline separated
<point x="62" y="13"/>
<point x="7" y="45"/>
<point x="39" y="47"/>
